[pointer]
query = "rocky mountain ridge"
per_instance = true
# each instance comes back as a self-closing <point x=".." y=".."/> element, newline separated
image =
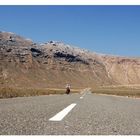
<point x="24" y="63"/>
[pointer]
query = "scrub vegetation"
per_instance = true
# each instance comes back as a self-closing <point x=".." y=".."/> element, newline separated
<point x="9" y="92"/>
<point x="128" y="91"/>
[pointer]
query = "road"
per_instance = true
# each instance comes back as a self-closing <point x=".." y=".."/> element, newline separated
<point x="75" y="114"/>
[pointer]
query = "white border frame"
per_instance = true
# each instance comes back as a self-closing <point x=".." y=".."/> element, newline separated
<point x="69" y="2"/>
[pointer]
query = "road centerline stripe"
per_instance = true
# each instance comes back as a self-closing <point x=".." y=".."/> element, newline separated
<point x="83" y="96"/>
<point x="59" y="116"/>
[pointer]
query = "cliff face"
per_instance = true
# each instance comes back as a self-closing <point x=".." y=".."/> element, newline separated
<point x="124" y="71"/>
<point x="24" y="63"/>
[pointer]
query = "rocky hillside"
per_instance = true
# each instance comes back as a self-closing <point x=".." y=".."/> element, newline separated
<point x="24" y="63"/>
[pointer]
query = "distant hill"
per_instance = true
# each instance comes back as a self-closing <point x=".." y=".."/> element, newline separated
<point x="24" y="63"/>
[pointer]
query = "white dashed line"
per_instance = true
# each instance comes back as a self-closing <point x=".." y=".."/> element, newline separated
<point x="59" y="116"/>
<point x="84" y="94"/>
<point x="81" y="97"/>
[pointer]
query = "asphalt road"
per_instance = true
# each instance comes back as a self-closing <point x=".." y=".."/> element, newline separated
<point x="91" y="115"/>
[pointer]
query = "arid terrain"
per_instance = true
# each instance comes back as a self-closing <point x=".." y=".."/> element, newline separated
<point x="31" y="69"/>
<point x="26" y="64"/>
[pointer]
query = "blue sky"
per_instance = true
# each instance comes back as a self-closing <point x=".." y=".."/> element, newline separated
<point x="103" y="29"/>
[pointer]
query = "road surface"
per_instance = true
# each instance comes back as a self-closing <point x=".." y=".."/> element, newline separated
<point x="75" y="114"/>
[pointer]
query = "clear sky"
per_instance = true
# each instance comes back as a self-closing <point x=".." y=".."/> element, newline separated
<point x="103" y="29"/>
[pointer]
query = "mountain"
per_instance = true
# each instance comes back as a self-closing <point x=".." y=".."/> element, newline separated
<point x="24" y="63"/>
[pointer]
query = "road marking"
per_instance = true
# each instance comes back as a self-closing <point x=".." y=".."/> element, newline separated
<point x="83" y="95"/>
<point x="59" y="116"/>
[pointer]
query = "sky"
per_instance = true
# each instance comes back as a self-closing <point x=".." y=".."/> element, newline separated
<point x="103" y="29"/>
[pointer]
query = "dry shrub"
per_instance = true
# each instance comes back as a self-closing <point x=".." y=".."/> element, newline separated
<point x="8" y="92"/>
